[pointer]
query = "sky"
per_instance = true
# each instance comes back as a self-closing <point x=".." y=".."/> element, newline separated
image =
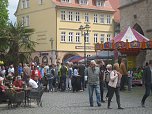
<point x="12" y="8"/>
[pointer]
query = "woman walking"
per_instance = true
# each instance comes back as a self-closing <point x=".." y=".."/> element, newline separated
<point x="114" y="85"/>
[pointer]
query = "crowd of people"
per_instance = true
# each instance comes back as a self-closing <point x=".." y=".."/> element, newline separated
<point x="72" y="77"/>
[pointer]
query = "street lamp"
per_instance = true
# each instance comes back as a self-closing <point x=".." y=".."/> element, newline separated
<point x="85" y="34"/>
<point x="53" y="55"/>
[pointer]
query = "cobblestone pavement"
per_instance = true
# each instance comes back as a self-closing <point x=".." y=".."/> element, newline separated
<point x="77" y="103"/>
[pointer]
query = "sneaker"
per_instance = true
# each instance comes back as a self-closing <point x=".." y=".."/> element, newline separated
<point x="99" y="105"/>
<point x="142" y="105"/>
<point x="91" y="105"/>
<point x="120" y="108"/>
<point x="102" y="101"/>
<point x="109" y="107"/>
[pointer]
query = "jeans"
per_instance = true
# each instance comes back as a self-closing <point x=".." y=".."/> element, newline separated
<point x="147" y="92"/>
<point x="123" y="82"/>
<point x="68" y="83"/>
<point x="97" y="91"/>
<point x="50" y="82"/>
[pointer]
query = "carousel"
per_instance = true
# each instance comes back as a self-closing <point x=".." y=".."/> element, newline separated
<point x="129" y="43"/>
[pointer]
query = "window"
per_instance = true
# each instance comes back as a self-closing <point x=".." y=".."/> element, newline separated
<point x="102" y="37"/>
<point x="83" y="2"/>
<point x="63" y="15"/>
<point x="77" y="16"/>
<point x="95" y="38"/>
<point x="23" y="21"/>
<point x="23" y="4"/>
<point x="40" y="2"/>
<point x="63" y="34"/>
<point x="27" y="3"/>
<point x="102" y="19"/>
<point x="68" y="1"/>
<point x="87" y="38"/>
<point x="108" y="37"/>
<point x="70" y="16"/>
<point x="70" y="36"/>
<point x="108" y="19"/>
<point x="99" y="2"/>
<point x="86" y="17"/>
<point x="27" y="21"/>
<point x="95" y="18"/>
<point x="77" y="37"/>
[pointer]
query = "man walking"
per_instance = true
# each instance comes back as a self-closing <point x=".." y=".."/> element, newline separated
<point x="93" y="82"/>
<point x="147" y="80"/>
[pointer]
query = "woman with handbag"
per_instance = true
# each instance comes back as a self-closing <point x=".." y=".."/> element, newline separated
<point x="114" y="85"/>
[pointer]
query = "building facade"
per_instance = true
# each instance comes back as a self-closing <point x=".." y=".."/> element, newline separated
<point x="138" y="14"/>
<point x="56" y="24"/>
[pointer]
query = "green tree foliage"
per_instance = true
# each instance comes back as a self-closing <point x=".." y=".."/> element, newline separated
<point x="17" y="41"/>
<point x="3" y="13"/>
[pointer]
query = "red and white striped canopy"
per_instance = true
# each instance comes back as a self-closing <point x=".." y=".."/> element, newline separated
<point x="131" y="35"/>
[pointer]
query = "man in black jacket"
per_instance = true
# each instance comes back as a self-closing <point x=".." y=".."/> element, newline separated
<point x="147" y="80"/>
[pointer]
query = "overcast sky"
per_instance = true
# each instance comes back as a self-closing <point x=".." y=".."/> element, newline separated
<point x="12" y="8"/>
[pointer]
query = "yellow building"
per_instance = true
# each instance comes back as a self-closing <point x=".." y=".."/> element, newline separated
<point x="56" y="24"/>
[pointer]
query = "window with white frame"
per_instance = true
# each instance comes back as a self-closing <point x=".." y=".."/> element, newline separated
<point x="102" y="36"/>
<point x="99" y="2"/>
<point x="102" y="18"/>
<point x="70" y="36"/>
<point x="77" y="39"/>
<point x="77" y="16"/>
<point x="70" y="16"/>
<point x="95" y="18"/>
<point x="108" y="37"/>
<point x="67" y="1"/>
<point x="108" y="19"/>
<point x="27" y="3"/>
<point x="23" y="21"/>
<point x="40" y="2"/>
<point x="86" y="38"/>
<point x="63" y="36"/>
<point x="27" y="23"/>
<point x="22" y="4"/>
<point x="63" y="15"/>
<point x="95" y="38"/>
<point x="86" y="16"/>
<point x="83" y="2"/>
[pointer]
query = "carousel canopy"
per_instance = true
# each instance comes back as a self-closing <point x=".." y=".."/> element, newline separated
<point x="131" y="35"/>
<point x="127" y="42"/>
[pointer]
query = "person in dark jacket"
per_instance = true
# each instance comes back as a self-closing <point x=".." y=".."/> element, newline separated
<point x="147" y="80"/>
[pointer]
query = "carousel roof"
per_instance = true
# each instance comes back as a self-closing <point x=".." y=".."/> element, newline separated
<point x="131" y="35"/>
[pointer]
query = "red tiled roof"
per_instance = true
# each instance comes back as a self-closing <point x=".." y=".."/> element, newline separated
<point x="91" y="5"/>
<point x="115" y="4"/>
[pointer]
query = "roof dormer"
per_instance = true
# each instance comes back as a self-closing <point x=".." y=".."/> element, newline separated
<point x="100" y="2"/>
<point x="66" y="1"/>
<point x="83" y="2"/>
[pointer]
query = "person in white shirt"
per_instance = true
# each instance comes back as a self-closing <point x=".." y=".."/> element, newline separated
<point x="11" y="69"/>
<point x="32" y="83"/>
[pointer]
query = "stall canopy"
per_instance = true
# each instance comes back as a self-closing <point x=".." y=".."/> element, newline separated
<point x="128" y="41"/>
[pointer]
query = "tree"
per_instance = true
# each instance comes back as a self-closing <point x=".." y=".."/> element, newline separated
<point x="3" y="13"/>
<point x="17" y="40"/>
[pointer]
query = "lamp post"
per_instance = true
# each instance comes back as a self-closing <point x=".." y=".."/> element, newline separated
<point x="53" y="56"/>
<point x="85" y="34"/>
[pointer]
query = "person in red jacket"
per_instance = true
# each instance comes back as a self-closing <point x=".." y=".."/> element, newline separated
<point x="36" y="72"/>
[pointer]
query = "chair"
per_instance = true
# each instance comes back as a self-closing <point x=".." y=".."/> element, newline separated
<point x="15" y="98"/>
<point x="36" y="94"/>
